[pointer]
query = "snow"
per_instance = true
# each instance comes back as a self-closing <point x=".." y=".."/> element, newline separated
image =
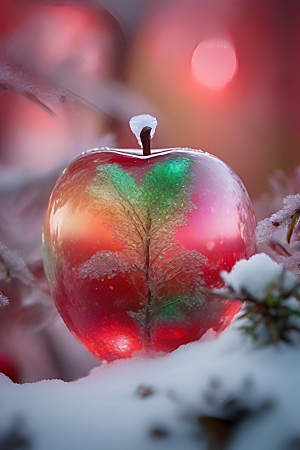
<point x="104" y="410"/>
<point x="118" y="405"/>
<point x="256" y="275"/>
<point x="137" y="123"/>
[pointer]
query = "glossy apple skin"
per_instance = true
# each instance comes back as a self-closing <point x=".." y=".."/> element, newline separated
<point x="96" y="261"/>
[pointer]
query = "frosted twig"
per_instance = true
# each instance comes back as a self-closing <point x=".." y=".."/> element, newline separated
<point x="281" y="220"/>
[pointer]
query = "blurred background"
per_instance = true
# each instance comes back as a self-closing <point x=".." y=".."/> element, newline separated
<point x="219" y="76"/>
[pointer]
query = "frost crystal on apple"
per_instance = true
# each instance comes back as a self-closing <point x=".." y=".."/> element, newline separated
<point x="137" y="123"/>
<point x="105" y="263"/>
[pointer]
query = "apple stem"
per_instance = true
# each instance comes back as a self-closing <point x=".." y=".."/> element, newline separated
<point x="146" y="140"/>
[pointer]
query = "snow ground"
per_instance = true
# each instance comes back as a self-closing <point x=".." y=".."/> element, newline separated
<point x="103" y="410"/>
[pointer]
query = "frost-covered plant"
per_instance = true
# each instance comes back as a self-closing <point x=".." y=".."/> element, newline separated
<point x="23" y="283"/>
<point x="286" y="218"/>
<point x="281" y="232"/>
<point x="12" y="267"/>
<point x="270" y="293"/>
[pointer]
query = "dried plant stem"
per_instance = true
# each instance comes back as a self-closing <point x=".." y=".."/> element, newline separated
<point x="292" y="226"/>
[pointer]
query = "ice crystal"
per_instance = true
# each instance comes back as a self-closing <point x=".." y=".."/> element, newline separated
<point x="105" y="263"/>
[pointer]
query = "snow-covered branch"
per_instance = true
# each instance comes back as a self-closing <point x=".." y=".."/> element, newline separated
<point x="271" y="297"/>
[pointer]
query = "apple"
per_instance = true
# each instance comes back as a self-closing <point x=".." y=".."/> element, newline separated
<point x="133" y="242"/>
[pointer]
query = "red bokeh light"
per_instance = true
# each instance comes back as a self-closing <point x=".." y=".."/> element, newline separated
<point x="214" y="63"/>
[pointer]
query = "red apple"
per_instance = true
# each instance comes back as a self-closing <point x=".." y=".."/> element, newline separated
<point x="131" y="243"/>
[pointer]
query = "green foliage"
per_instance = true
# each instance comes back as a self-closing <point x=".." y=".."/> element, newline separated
<point x="162" y="198"/>
<point x="166" y="188"/>
<point x="174" y="309"/>
<point x="273" y="318"/>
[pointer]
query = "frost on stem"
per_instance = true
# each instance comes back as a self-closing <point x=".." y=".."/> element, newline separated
<point x="137" y="123"/>
<point x="271" y="298"/>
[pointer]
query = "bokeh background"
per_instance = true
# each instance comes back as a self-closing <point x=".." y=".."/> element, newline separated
<point x="219" y="76"/>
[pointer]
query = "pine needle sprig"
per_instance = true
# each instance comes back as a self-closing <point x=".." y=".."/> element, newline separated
<point x="271" y="316"/>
